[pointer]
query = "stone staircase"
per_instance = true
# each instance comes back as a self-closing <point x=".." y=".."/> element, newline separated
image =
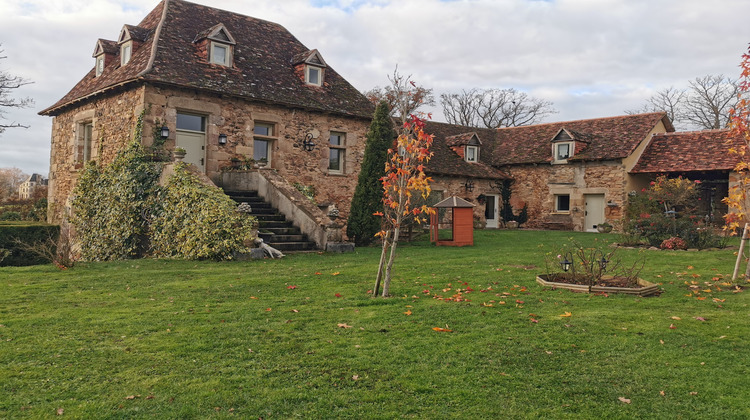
<point x="273" y="227"/>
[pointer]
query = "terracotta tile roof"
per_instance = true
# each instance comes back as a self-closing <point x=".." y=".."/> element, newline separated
<point x="689" y="152"/>
<point x="261" y="71"/>
<point x="446" y="162"/>
<point x="607" y="138"/>
<point x="461" y="139"/>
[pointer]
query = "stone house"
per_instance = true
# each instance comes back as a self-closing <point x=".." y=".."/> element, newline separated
<point x="220" y="85"/>
<point x="27" y="188"/>
<point x="572" y="175"/>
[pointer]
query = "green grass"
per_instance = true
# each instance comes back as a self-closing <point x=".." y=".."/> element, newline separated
<point x="204" y="339"/>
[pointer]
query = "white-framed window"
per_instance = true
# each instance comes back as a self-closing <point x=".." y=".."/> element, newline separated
<point x="562" y="203"/>
<point x="85" y="134"/>
<point x="99" y="65"/>
<point x="221" y="54"/>
<point x="313" y="75"/>
<point x="263" y="140"/>
<point x="337" y="152"/>
<point x="562" y="151"/>
<point x="126" y="50"/>
<point x="472" y="154"/>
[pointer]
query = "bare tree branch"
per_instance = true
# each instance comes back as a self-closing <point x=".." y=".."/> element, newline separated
<point x="403" y="96"/>
<point x="704" y="105"/>
<point x="494" y="108"/>
<point x="8" y="83"/>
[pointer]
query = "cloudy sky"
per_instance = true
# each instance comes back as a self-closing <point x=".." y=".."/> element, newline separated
<point x="591" y="58"/>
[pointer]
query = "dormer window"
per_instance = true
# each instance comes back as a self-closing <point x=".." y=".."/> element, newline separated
<point x="126" y="51"/>
<point x="563" y="146"/>
<point x="104" y="54"/>
<point x="220" y="54"/>
<point x="313" y="75"/>
<point x="99" y="65"/>
<point x="472" y="154"/>
<point x="310" y="67"/>
<point x="218" y="44"/>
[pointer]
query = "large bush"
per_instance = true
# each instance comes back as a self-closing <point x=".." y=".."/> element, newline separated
<point x="668" y="209"/>
<point x="111" y="206"/>
<point x="195" y="221"/>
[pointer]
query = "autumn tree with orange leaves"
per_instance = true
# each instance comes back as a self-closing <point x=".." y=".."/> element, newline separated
<point x="404" y="182"/>
<point x="739" y="193"/>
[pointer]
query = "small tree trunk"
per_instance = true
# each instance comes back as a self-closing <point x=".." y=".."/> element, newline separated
<point x="391" y="258"/>
<point x="376" y="289"/>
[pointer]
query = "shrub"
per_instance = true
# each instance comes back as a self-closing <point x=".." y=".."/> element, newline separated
<point x="673" y="243"/>
<point x="666" y="210"/>
<point x="19" y="239"/>
<point x="10" y="216"/>
<point x="195" y="221"/>
<point x="111" y="204"/>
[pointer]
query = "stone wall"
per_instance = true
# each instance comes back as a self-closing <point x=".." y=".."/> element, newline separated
<point x="236" y="117"/>
<point x="537" y="185"/>
<point x="113" y="117"/>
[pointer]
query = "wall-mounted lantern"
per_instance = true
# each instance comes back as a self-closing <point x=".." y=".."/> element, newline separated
<point x="469" y="185"/>
<point x="222" y="139"/>
<point x="307" y="143"/>
<point x="164" y="133"/>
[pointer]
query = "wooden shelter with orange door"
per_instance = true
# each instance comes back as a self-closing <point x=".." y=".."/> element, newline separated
<point x="453" y="217"/>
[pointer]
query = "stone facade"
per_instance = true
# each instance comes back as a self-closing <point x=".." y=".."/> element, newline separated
<point x="114" y="117"/>
<point x="538" y="186"/>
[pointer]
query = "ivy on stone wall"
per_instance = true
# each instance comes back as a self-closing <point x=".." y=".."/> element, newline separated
<point x="110" y="206"/>
<point x="192" y="220"/>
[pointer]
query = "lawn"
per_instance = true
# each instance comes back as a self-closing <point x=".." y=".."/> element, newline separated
<point x="301" y="337"/>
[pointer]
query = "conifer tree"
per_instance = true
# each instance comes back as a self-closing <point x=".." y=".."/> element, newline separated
<point x="362" y="224"/>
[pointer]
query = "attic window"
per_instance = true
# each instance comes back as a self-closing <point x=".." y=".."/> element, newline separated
<point x="99" y="65"/>
<point x="563" y="146"/>
<point x="126" y="51"/>
<point x="221" y="54"/>
<point x="313" y="75"/>
<point x="472" y="154"/>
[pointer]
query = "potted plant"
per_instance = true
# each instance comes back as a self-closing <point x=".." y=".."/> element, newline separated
<point x="604" y="227"/>
<point x="179" y="153"/>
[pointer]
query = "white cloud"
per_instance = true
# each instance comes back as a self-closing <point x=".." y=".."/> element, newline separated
<point x="592" y="58"/>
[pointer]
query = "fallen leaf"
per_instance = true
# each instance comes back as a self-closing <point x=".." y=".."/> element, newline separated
<point x="566" y="315"/>
<point x="661" y="341"/>
<point x="661" y="393"/>
<point x="672" y="327"/>
<point x="548" y="352"/>
<point x="60" y="412"/>
<point x="693" y="393"/>
<point x="338" y="295"/>
<point x="677" y="318"/>
<point x="407" y="313"/>
<point x="701" y="298"/>
<point x="291" y="287"/>
<point x="624" y="400"/>
<point x="268" y="309"/>
<point x="253" y="297"/>
<point x="335" y="274"/>
<point x="700" y="318"/>
<point x="132" y="397"/>
<point x="355" y="377"/>
<point x="520" y="302"/>
<point x="150" y="397"/>
<point x="344" y="325"/>
<point x="317" y="273"/>
<point x="690" y="267"/>
<point x="534" y="320"/>
<point x="441" y="329"/>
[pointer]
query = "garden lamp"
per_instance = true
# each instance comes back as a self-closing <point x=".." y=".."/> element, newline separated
<point x="566" y="262"/>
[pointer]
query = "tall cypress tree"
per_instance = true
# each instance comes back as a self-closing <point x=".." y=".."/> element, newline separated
<point x="362" y="224"/>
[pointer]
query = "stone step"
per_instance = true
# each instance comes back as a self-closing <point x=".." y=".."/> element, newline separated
<point x="263" y="224"/>
<point x="290" y="230"/>
<point x="275" y="217"/>
<point x="269" y="238"/>
<point x="293" y="246"/>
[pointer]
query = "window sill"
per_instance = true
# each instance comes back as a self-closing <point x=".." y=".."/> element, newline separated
<point x="336" y="173"/>
<point x="561" y="212"/>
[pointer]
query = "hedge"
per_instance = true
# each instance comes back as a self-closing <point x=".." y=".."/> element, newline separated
<point x="29" y="234"/>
